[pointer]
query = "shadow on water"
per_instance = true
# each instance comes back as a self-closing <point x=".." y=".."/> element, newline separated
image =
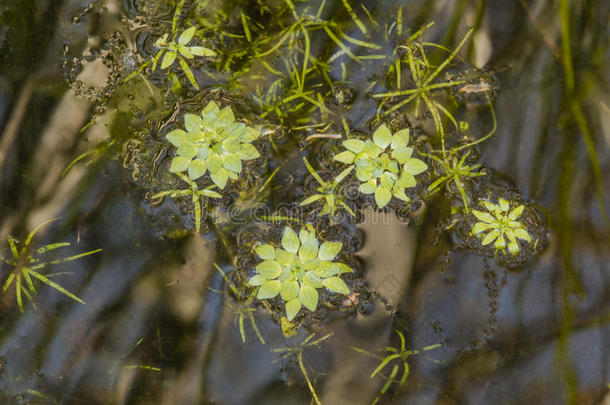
<point x="158" y="326"/>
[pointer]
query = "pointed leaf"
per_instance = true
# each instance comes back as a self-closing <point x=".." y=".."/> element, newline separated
<point x="268" y="289"/>
<point x="232" y="162"/>
<point x="382" y="136"/>
<point x="265" y="252"/>
<point x="400" y="140"/>
<point x="483" y="216"/>
<point x="522" y="234"/>
<point x="248" y="152"/>
<point x="176" y="137"/>
<point x="309" y="250"/>
<point x="290" y="240"/>
<point x="354" y="145"/>
<point x="308" y="297"/>
<point x="335" y="284"/>
<point x="220" y="178"/>
<point x="346" y="157"/>
<point x="415" y="166"/>
<point x="202" y="51"/>
<point x="516" y="213"/>
<point x="168" y="59"/>
<point x="187" y="35"/>
<point x="289" y="290"/>
<point x="257" y="280"/>
<point x="329" y="250"/>
<point x="269" y="269"/>
<point x="196" y="169"/>
<point x="490" y="237"/>
<point x="382" y="196"/>
<point x="179" y="164"/>
<point x="292" y="308"/>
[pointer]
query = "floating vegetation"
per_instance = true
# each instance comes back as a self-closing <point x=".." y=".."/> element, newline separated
<point x="384" y="174"/>
<point x="27" y="266"/>
<point x="271" y="97"/>
<point x="396" y="356"/>
<point x="297" y="268"/>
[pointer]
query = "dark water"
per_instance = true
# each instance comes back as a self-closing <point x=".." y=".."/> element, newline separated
<point x="156" y="327"/>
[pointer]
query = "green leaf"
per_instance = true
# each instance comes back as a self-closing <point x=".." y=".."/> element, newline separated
<point x="364" y="174"/>
<point x="179" y="164"/>
<point x="196" y="169"/>
<point x="202" y="51"/>
<point x="289" y="290"/>
<point x="232" y="162"/>
<point x="309" y="250"/>
<point x="479" y="227"/>
<point x="256" y="280"/>
<point x="329" y="250"/>
<point x="402" y="155"/>
<point x="292" y="308"/>
<point x="327" y="269"/>
<point x="226" y="115"/>
<point x="269" y="269"/>
<point x="400" y="194"/>
<point x="210" y="107"/>
<point x="185" y="51"/>
<point x="504" y="205"/>
<point x="369" y="187"/>
<point x="343" y="174"/>
<point x="354" y="145"/>
<point x="214" y="163"/>
<point x="382" y="196"/>
<point x="286" y="275"/>
<point x="516" y="213"/>
<point x="400" y="140"/>
<point x="312" y="199"/>
<point x="187" y="150"/>
<point x="415" y="166"/>
<point x="283" y="257"/>
<point x="186" y="36"/>
<point x="248" y="152"/>
<point x="522" y="234"/>
<point x="305" y="236"/>
<point x="382" y="136"/>
<point x="188" y="72"/>
<point x="176" y="137"/>
<point x="265" y="252"/>
<point x="308" y="297"/>
<point x="168" y="59"/>
<point x="346" y="157"/>
<point x="192" y="122"/>
<point x="290" y="240"/>
<point x="483" y="216"/>
<point x="371" y="149"/>
<point x="335" y="284"/>
<point x="312" y="279"/>
<point x="268" y="289"/>
<point x="490" y="237"/>
<point x="513" y="248"/>
<point x="220" y="177"/>
<point x="500" y="243"/>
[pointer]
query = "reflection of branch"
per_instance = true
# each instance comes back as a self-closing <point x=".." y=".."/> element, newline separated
<point x="545" y="35"/>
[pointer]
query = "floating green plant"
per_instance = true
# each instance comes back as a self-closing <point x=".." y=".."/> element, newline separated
<point x="214" y="142"/>
<point x="399" y="357"/>
<point x="27" y="266"/>
<point x="424" y="73"/>
<point x="176" y="49"/>
<point x="328" y="190"/>
<point x="456" y="171"/>
<point x="500" y="223"/>
<point x="385" y="165"/>
<point x="194" y="192"/>
<point x="297" y="269"/>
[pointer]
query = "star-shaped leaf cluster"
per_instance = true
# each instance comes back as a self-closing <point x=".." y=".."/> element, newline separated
<point x="500" y="223"/>
<point x="385" y="166"/>
<point x="172" y="50"/>
<point x="297" y="269"/>
<point x="212" y="142"/>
